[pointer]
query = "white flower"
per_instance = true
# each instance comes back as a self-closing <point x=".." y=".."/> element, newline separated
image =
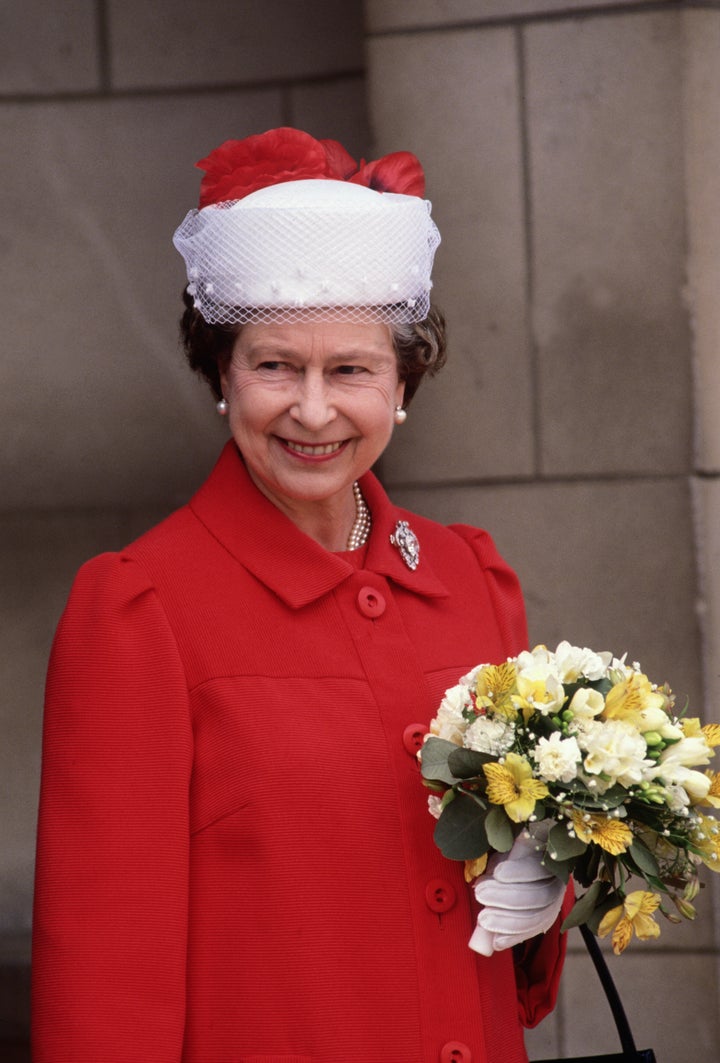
<point x="654" y="718"/>
<point x="557" y="758"/>
<point x="619" y="670"/>
<point x="537" y="663"/>
<point x="493" y="735"/>
<point x="676" y="797"/>
<point x="585" y="705"/>
<point x="573" y="663"/>
<point x="450" y="723"/>
<point x="538" y="681"/>
<point x="690" y="752"/>
<point x="435" y="806"/>
<point x="676" y="765"/>
<point x="470" y="679"/>
<point x="615" y="751"/>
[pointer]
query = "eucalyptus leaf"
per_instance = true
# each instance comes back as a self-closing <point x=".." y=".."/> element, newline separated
<point x="468" y="763"/>
<point x="460" y="832"/>
<point x="612" y="798"/>
<point x="562" y="869"/>
<point x="610" y="901"/>
<point x="543" y="726"/>
<point x="571" y="690"/>
<point x="583" y="908"/>
<point x="644" y="858"/>
<point x="434" y="760"/>
<point x="499" y="830"/>
<point x="562" y="845"/>
<point x="587" y="865"/>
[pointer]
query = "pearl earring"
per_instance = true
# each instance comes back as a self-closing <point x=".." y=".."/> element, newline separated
<point x="222" y="407"/>
<point x="400" y="415"/>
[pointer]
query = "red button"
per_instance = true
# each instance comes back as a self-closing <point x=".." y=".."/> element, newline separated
<point x="413" y="737"/>
<point x="455" y="1052"/>
<point x="440" y="896"/>
<point x="371" y="602"/>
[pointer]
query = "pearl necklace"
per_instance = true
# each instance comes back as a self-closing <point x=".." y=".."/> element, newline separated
<point x="360" y="530"/>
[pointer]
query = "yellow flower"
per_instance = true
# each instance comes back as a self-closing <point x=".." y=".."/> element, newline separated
<point x="475" y="868"/>
<point x="713" y="795"/>
<point x="712" y="734"/>
<point x="705" y="836"/>
<point x="633" y="915"/>
<point x="634" y="700"/>
<point x="511" y="784"/>
<point x="494" y="686"/>
<point x="711" y="731"/>
<point x="610" y="834"/>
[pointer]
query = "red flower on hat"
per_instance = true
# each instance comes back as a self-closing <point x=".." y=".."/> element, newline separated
<point x="340" y="163"/>
<point x="239" y="167"/>
<point x="399" y="172"/>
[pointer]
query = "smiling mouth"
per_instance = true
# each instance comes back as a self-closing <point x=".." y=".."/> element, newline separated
<point x="318" y="450"/>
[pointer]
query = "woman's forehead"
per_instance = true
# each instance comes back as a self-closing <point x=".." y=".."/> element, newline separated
<point x="333" y="338"/>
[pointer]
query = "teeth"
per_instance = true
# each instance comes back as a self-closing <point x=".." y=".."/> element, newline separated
<point x="313" y="451"/>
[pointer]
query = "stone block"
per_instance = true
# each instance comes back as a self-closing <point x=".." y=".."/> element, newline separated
<point x="409" y="14"/>
<point x="706" y="495"/>
<point x="608" y="233"/>
<point x="461" y="117"/>
<point x="543" y="1041"/>
<point x="606" y="564"/>
<point x="702" y="165"/>
<point x="333" y="109"/>
<point x="47" y="48"/>
<point x="217" y="43"/>
<point x="39" y="556"/>
<point x="669" y="999"/>
<point x="97" y="408"/>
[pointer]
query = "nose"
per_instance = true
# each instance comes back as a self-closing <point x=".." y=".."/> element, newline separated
<point x="313" y="407"/>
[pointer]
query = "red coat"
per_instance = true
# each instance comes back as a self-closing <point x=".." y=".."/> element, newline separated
<point x="235" y="858"/>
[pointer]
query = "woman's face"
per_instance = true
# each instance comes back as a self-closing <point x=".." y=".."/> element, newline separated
<point x="311" y="405"/>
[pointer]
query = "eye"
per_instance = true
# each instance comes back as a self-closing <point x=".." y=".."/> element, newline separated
<point x="350" y="370"/>
<point x="276" y="368"/>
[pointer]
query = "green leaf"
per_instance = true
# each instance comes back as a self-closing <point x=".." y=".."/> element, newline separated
<point x="643" y="858"/>
<point x="562" y="846"/>
<point x="583" y="908"/>
<point x="587" y="865"/>
<point x="610" y="901"/>
<point x="434" y="760"/>
<point x="583" y="798"/>
<point x="562" y="869"/>
<point x="499" y="830"/>
<point x="460" y="832"/>
<point x="467" y="763"/>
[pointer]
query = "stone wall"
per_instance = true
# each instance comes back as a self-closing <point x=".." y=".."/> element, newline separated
<point x="573" y="160"/>
<point x="105" y="105"/>
<point x="572" y="157"/>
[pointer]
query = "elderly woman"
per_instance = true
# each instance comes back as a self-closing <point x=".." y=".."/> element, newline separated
<point x="235" y="858"/>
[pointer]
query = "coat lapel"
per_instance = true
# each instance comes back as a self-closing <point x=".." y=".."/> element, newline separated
<point x="296" y="568"/>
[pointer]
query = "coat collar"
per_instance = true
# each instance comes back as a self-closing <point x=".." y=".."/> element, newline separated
<point x="290" y="563"/>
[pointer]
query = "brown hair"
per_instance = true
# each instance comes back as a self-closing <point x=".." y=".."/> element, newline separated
<point x="420" y="347"/>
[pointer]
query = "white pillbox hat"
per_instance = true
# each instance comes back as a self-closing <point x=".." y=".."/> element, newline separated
<point x="342" y="249"/>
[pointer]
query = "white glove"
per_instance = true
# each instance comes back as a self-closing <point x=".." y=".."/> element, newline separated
<point x="520" y="898"/>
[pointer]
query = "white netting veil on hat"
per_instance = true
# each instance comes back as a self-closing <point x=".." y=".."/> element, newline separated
<point x="339" y="249"/>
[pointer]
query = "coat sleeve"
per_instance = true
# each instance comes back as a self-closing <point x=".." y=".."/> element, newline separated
<point x="539" y="962"/>
<point x="111" y="893"/>
<point x="504" y="588"/>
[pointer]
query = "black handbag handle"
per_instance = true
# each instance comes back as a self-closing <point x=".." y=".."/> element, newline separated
<point x="613" y="997"/>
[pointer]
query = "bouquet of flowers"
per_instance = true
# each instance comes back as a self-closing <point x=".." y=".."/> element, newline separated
<point x="582" y="752"/>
